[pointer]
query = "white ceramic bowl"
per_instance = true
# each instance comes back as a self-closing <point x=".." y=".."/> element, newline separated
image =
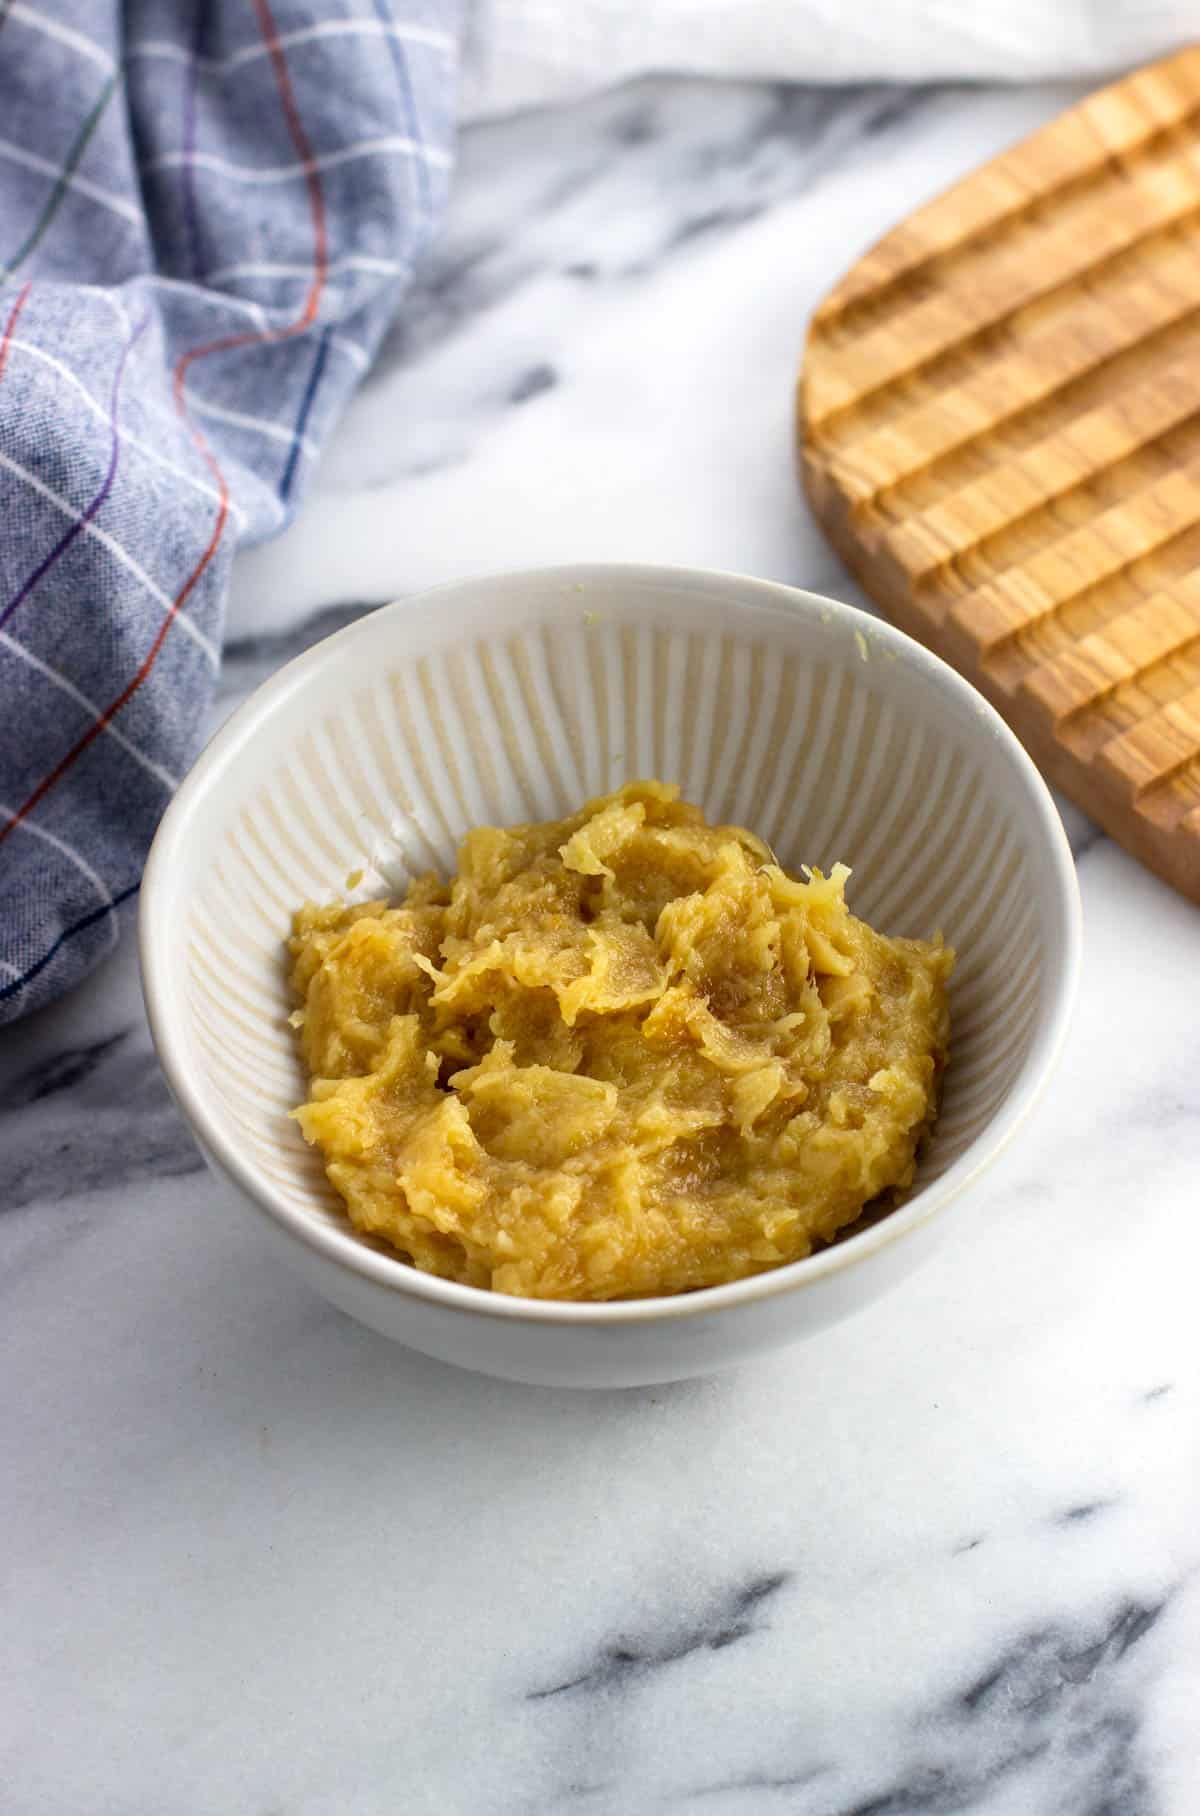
<point x="516" y="698"/>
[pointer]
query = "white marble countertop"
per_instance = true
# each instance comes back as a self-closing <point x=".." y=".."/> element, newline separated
<point x="942" y="1559"/>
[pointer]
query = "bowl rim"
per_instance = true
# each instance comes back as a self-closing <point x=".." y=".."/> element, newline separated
<point x="165" y="994"/>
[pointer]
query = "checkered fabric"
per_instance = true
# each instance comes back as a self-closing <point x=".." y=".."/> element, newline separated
<point x="209" y="210"/>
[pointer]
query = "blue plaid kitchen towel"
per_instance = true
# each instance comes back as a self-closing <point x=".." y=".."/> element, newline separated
<point x="209" y="210"/>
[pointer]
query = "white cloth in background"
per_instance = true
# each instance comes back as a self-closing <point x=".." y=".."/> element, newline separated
<point x="525" y="53"/>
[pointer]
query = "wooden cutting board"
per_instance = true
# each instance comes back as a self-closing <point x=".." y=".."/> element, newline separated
<point x="999" y="419"/>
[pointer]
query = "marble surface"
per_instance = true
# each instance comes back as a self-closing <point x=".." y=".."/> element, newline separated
<point x="942" y="1559"/>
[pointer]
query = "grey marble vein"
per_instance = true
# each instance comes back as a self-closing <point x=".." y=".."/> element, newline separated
<point x="88" y="1119"/>
<point x="62" y="1071"/>
<point x="1082" y="1512"/>
<point x="626" y="1661"/>
<point x="1055" y="1699"/>
<point x="248" y="660"/>
<point x="717" y="158"/>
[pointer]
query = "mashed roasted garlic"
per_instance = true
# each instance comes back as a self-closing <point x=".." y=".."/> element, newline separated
<point x="617" y="1055"/>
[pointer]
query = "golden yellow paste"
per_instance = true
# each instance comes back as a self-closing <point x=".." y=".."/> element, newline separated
<point x="619" y="1054"/>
